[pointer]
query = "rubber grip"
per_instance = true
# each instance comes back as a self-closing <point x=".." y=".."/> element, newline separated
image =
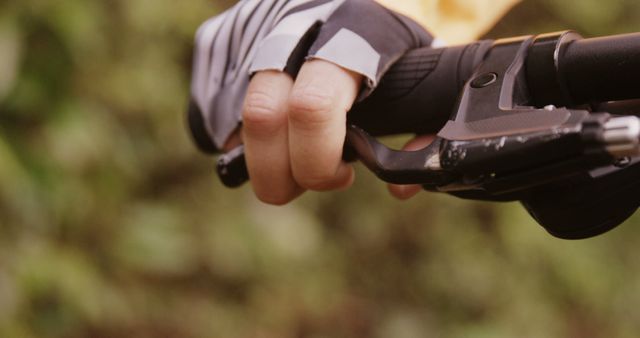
<point x="602" y="69"/>
<point x="419" y="92"/>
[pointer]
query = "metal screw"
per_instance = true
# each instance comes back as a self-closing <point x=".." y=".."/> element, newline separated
<point x="484" y="80"/>
<point x="622" y="162"/>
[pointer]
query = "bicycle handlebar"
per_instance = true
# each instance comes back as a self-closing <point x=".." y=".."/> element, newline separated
<point x="526" y="119"/>
<point x="418" y="94"/>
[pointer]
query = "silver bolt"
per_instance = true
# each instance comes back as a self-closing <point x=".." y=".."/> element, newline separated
<point x="622" y="136"/>
<point x="433" y="163"/>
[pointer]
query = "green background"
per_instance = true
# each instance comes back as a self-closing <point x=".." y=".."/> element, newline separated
<point x="113" y="225"/>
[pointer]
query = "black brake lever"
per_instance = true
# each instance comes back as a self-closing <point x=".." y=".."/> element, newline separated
<point x="232" y="168"/>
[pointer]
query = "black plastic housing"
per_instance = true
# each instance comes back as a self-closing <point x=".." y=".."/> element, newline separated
<point x="418" y="94"/>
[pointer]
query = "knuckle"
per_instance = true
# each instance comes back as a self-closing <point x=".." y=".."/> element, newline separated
<point x="311" y="105"/>
<point x="262" y="113"/>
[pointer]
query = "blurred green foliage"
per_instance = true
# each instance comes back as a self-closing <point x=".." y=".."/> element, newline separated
<point x="112" y="225"/>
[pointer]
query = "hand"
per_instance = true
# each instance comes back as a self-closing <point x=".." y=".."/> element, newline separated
<point x="281" y="129"/>
<point x="293" y="130"/>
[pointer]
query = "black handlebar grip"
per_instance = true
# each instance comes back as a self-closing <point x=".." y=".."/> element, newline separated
<point x="602" y="69"/>
<point x="419" y="92"/>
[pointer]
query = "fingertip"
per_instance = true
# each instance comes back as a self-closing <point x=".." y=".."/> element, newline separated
<point x="278" y="197"/>
<point x="404" y="192"/>
<point x="349" y="177"/>
<point x="419" y="142"/>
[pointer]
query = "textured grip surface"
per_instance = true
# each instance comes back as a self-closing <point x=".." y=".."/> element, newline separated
<point x="418" y="94"/>
<point x="407" y="73"/>
<point x="602" y="69"/>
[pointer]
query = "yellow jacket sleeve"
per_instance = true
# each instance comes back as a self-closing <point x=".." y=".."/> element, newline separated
<point x="454" y="21"/>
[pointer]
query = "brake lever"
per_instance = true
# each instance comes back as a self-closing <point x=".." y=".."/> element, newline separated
<point x="231" y="167"/>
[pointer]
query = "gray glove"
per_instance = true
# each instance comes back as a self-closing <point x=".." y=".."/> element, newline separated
<point x="258" y="35"/>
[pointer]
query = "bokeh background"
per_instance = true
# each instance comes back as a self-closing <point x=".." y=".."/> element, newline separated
<point x="113" y="225"/>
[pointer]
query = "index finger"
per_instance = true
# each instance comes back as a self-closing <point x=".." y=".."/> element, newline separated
<point x="320" y="99"/>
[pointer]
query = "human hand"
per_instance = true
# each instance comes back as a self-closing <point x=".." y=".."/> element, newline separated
<point x="293" y="130"/>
